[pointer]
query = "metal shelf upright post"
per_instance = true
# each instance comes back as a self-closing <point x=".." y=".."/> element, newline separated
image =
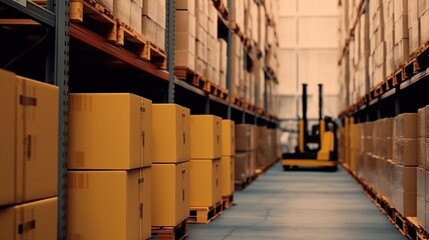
<point x="170" y="43"/>
<point x="229" y="62"/>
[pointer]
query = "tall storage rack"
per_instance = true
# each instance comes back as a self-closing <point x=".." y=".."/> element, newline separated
<point x="401" y="91"/>
<point x="97" y="65"/>
<point x="52" y="22"/>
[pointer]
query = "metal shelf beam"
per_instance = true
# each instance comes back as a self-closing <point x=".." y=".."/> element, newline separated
<point x="32" y="10"/>
<point x="92" y="39"/>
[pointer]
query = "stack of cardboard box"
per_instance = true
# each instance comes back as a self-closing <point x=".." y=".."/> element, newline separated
<point x="245" y="145"/>
<point x="171" y="167"/>
<point x="228" y="161"/>
<point x="29" y="158"/>
<point x="109" y="162"/>
<point x="185" y="35"/>
<point x="154" y="21"/>
<point x="205" y="170"/>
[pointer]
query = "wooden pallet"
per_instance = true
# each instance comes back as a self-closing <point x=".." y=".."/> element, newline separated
<point x="227" y="201"/>
<point x="156" y="55"/>
<point x="205" y="215"/>
<point x="178" y="232"/>
<point x="407" y="226"/>
<point x="132" y="40"/>
<point x="94" y="17"/>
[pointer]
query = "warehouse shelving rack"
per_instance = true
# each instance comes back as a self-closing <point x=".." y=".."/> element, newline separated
<point x="96" y="65"/>
<point x="401" y="92"/>
<point x="49" y="26"/>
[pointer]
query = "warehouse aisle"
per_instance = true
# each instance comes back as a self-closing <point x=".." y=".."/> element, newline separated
<point x="300" y="205"/>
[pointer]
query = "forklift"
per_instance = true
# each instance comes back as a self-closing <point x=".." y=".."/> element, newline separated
<point x="317" y="149"/>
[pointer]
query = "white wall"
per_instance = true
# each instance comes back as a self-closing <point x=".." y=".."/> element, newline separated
<point x="308" y="54"/>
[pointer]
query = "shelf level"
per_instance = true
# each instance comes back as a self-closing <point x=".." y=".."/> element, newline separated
<point x="32" y="10"/>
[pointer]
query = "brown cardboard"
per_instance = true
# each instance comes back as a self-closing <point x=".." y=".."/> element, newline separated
<point x="184" y="59"/>
<point x="33" y="220"/>
<point x="185" y="42"/>
<point x="241" y="167"/>
<point x="109" y="131"/>
<point x="407" y="125"/>
<point x="171" y="130"/>
<point x="245" y="137"/>
<point x="37" y="140"/>
<point x="427" y="151"/>
<point x="91" y="193"/>
<point x="421" y="121"/>
<point x="421" y="182"/>
<point x="205" y="189"/>
<point x="228" y="137"/>
<point x="185" y="22"/>
<point x="409" y="152"/>
<point x="421" y="152"/>
<point x="407" y="177"/>
<point x="206" y="139"/>
<point x="427" y="186"/>
<point x="427" y="215"/>
<point x="7" y="136"/>
<point x="186" y="5"/>
<point x="170" y="195"/>
<point x="227" y="175"/>
<point x="421" y="211"/>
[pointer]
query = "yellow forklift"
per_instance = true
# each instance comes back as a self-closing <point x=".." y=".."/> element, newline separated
<point x="317" y="149"/>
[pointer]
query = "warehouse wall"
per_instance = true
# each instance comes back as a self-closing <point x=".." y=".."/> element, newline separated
<point x="308" y="54"/>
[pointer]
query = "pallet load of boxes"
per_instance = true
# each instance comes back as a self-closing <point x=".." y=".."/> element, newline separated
<point x="382" y="41"/>
<point x="137" y="169"/>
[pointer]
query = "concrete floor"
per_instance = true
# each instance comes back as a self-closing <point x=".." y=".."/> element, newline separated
<point x="299" y="205"/>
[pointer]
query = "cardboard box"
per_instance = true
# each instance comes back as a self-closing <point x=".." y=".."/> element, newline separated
<point x="427" y="185"/>
<point x="421" y="211"/>
<point x="95" y="144"/>
<point x="170" y="195"/>
<point x="150" y="9"/>
<point x="424" y="32"/>
<point x="108" y="204"/>
<point x="414" y="34"/>
<point x="206" y="137"/>
<point x="8" y="109"/>
<point x="122" y="9"/>
<point x="184" y="59"/>
<point x="427" y="216"/>
<point x="135" y="16"/>
<point x="406" y="151"/>
<point x="427" y="155"/>
<point x="421" y="183"/>
<point x="228" y="137"/>
<point x="149" y="27"/>
<point x="253" y="163"/>
<point x="205" y="189"/>
<point x="421" y="122"/>
<point x="407" y="125"/>
<point x="161" y="13"/>
<point x="245" y="139"/>
<point x="186" y="5"/>
<point x="185" y="42"/>
<point x="36" y="140"/>
<point x="171" y="130"/>
<point x="422" y="152"/>
<point x="227" y="175"/>
<point x="160" y="37"/>
<point x="29" y="139"/>
<point x="202" y="19"/>
<point x="201" y="52"/>
<point x="185" y="22"/>
<point x="241" y="167"/>
<point x="202" y="35"/>
<point x="33" y="220"/>
<point x="200" y="65"/>
<point x="107" y="4"/>
<point x="407" y="178"/>
<point x="405" y="202"/>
